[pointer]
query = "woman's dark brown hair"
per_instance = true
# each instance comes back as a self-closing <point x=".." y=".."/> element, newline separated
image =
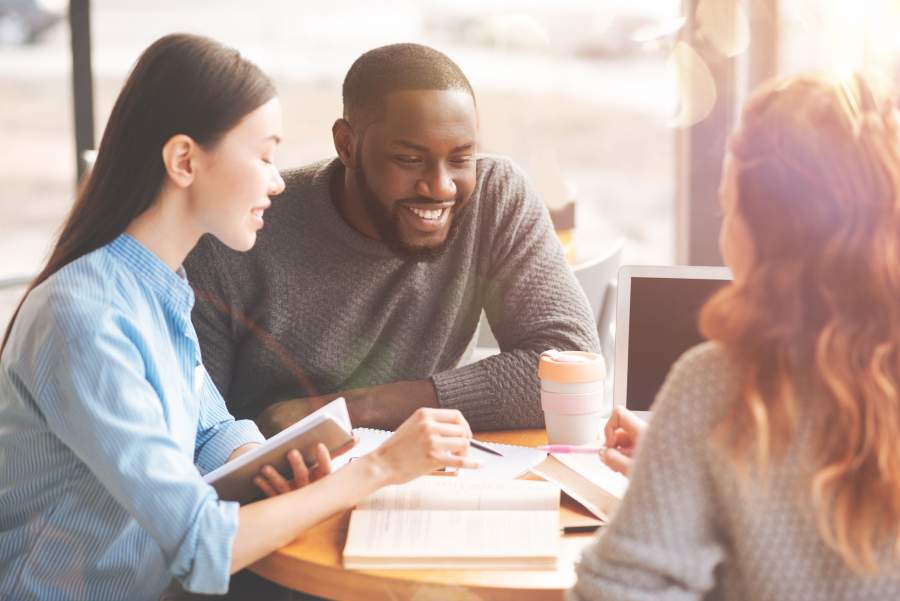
<point x="181" y="84"/>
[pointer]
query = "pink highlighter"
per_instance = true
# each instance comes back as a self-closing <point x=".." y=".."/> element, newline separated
<point x="570" y="448"/>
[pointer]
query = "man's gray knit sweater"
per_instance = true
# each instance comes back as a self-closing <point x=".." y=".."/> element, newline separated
<point x="318" y="308"/>
<point x="691" y="527"/>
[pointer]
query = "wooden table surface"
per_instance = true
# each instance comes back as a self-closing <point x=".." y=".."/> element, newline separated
<point x="312" y="563"/>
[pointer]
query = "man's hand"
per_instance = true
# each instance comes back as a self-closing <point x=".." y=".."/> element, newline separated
<point x="388" y="405"/>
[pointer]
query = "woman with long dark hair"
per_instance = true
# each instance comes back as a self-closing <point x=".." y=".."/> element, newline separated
<point x="771" y="465"/>
<point x="107" y="417"/>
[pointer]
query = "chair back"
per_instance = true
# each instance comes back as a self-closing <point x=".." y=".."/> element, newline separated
<point x="597" y="274"/>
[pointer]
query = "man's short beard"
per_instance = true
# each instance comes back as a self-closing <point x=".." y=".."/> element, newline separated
<point x="386" y="222"/>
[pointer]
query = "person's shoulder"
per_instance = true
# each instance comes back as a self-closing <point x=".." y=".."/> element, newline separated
<point x="503" y="186"/>
<point x="496" y="164"/>
<point x="305" y="201"/>
<point x="709" y="359"/>
<point x="91" y="278"/>
<point x="91" y="285"/>
<point x="700" y="386"/>
<point x="208" y="255"/>
<point x="76" y="302"/>
<point x="211" y="263"/>
<point x="498" y="171"/>
<point x="307" y="179"/>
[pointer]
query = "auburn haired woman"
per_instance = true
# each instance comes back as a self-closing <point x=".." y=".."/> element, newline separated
<point x="771" y="466"/>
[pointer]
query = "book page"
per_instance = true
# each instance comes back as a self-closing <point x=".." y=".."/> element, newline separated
<point x="593" y="468"/>
<point x="416" y="534"/>
<point x="590" y="492"/>
<point x="451" y="493"/>
<point x="445" y="522"/>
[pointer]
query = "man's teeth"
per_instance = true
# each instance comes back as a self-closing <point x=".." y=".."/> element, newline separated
<point x="431" y="214"/>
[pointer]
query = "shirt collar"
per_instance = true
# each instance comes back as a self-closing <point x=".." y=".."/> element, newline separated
<point x="170" y="286"/>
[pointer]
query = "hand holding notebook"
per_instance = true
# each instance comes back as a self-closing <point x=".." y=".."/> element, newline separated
<point x="330" y="426"/>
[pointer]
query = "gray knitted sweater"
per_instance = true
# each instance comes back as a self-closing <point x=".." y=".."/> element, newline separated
<point x="689" y="528"/>
<point x="317" y="308"/>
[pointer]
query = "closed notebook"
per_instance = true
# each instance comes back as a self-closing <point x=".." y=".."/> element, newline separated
<point x="450" y="523"/>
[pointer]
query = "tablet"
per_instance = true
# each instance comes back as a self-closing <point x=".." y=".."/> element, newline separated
<point x="657" y="312"/>
<point x="329" y="425"/>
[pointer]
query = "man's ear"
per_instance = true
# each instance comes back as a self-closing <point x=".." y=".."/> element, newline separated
<point x="177" y="155"/>
<point x="344" y="142"/>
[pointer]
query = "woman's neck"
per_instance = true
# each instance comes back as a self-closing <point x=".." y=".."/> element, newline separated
<point x="166" y="229"/>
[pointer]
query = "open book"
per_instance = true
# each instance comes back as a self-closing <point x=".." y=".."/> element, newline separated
<point x="448" y="523"/>
<point x="586" y="479"/>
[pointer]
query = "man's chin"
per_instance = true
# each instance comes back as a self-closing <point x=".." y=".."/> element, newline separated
<point x="419" y="252"/>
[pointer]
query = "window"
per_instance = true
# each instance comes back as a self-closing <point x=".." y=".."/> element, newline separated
<point x="578" y="92"/>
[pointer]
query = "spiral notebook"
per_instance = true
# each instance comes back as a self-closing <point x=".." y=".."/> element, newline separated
<point x="512" y="463"/>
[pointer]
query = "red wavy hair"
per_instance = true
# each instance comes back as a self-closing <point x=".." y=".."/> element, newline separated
<point x="816" y="318"/>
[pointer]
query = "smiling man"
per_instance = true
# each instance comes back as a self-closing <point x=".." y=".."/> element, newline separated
<point x="370" y="275"/>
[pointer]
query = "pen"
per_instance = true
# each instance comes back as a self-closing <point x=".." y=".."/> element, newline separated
<point x="581" y="528"/>
<point x="485" y="448"/>
<point x="568" y="448"/>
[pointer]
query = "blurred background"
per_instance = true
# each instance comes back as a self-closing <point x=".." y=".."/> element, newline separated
<point x="617" y="109"/>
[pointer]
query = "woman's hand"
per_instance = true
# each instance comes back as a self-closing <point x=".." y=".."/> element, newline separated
<point x="623" y="433"/>
<point x="427" y="440"/>
<point x="273" y="484"/>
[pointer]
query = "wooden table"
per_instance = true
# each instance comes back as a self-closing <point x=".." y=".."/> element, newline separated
<point x="312" y="563"/>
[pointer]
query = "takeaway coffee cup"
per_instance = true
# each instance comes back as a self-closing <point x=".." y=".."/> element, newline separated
<point x="572" y="384"/>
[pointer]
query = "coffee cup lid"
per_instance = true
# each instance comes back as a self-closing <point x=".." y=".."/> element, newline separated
<point x="571" y="366"/>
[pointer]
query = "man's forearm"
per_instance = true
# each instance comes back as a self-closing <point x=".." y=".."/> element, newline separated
<point x="388" y="405"/>
<point x="383" y="406"/>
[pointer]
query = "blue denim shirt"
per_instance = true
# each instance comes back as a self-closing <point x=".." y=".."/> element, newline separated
<point x="107" y="422"/>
